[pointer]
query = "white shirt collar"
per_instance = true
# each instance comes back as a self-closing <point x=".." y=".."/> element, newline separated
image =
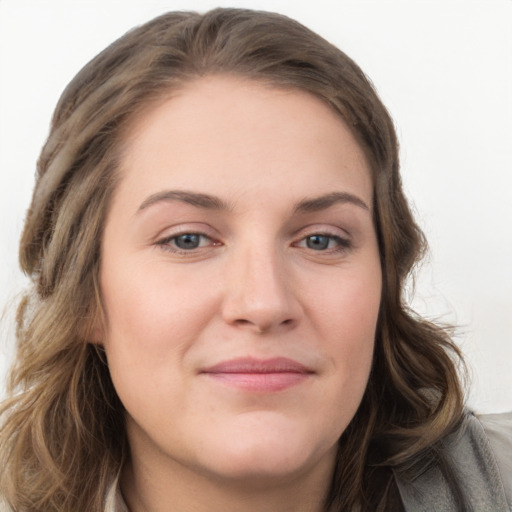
<point x="114" y="501"/>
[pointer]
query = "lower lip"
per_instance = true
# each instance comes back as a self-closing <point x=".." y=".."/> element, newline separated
<point x="261" y="382"/>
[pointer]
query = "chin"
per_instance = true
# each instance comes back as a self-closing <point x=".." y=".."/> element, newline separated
<point x="271" y="454"/>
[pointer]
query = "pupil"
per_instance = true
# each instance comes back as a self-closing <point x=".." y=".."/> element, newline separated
<point x="188" y="241"/>
<point x="318" y="242"/>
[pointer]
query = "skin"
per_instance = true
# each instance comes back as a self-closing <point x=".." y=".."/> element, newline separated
<point x="256" y="285"/>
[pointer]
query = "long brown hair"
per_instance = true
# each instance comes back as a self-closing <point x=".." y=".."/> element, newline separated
<point x="62" y="438"/>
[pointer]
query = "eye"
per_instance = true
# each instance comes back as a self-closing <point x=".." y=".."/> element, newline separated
<point x="324" y="242"/>
<point x="186" y="242"/>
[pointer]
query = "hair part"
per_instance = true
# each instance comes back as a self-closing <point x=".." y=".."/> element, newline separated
<point x="62" y="438"/>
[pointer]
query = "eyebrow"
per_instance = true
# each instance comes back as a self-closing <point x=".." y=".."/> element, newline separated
<point x="204" y="201"/>
<point x="319" y="203"/>
<point x="210" y="202"/>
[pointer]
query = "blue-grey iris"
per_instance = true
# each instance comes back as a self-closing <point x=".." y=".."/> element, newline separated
<point x="188" y="241"/>
<point x="318" y="242"/>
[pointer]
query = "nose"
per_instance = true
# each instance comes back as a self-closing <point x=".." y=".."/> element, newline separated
<point x="260" y="295"/>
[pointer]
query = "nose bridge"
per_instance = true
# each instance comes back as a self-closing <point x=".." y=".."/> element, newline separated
<point x="260" y="291"/>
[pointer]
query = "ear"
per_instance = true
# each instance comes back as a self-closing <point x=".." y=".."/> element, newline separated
<point x="93" y="329"/>
<point x="96" y="333"/>
<point x="96" y="321"/>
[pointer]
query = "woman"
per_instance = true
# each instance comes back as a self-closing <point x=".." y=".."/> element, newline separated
<point x="219" y="241"/>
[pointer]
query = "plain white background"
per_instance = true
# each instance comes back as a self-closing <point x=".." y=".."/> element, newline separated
<point x="443" y="68"/>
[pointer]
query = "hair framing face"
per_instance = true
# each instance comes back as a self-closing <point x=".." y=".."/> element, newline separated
<point x="413" y="398"/>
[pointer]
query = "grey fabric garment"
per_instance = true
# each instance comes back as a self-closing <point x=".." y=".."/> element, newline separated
<point x="480" y="454"/>
<point x="498" y="428"/>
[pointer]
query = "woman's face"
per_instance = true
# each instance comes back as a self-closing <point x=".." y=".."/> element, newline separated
<point x="241" y="281"/>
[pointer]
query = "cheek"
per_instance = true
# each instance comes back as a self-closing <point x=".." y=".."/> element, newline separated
<point x="152" y="311"/>
<point x="154" y="317"/>
<point x="152" y="320"/>
<point x="348" y="307"/>
<point x="347" y="318"/>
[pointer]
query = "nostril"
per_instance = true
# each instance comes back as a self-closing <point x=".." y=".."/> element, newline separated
<point x="261" y="326"/>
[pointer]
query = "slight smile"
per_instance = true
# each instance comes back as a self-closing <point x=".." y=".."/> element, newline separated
<point x="259" y="375"/>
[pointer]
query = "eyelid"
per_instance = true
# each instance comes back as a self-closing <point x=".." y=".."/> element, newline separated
<point x="164" y="239"/>
<point x="322" y="229"/>
<point x="341" y="237"/>
<point x="342" y="243"/>
<point x="167" y="239"/>
<point x="198" y="228"/>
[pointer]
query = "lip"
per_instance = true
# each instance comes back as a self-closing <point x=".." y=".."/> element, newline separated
<point x="259" y="375"/>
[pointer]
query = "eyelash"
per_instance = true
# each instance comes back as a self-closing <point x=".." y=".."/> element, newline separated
<point x="342" y="244"/>
<point x="168" y="243"/>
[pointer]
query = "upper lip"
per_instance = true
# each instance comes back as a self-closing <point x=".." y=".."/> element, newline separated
<point x="255" y="365"/>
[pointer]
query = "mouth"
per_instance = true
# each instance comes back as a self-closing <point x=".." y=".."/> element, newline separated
<point x="259" y="375"/>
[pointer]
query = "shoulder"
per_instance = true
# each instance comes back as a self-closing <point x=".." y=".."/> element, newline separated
<point x="498" y="430"/>
<point x="479" y="457"/>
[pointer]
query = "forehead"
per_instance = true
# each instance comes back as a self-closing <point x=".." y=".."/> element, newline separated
<point x="223" y="134"/>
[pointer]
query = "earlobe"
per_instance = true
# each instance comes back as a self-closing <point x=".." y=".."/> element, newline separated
<point x="95" y="334"/>
<point x="94" y="328"/>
